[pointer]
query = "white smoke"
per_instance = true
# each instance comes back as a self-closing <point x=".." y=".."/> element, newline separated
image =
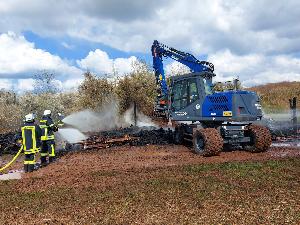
<point x="107" y="119"/>
<point x="71" y="135"/>
<point x="282" y="116"/>
<point x="87" y="120"/>
<point x="142" y="120"/>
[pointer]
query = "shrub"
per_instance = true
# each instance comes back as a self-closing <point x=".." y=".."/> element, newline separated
<point x="94" y="92"/>
<point x="139" y="87"/>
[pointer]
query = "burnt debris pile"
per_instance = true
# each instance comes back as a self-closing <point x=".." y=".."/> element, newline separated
<point x="8" y="143"/>
<point x="153" y="137"/>
<point x="133" y="136"/>
<point x="283" y="130"/>
<point x="284" y="133"/>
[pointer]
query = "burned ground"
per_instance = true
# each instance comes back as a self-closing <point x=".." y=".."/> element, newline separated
<point x="138" y="176"/>
<point x="161" y="184"/>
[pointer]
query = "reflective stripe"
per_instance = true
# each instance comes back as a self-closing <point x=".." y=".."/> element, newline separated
<point x="23" y="137"/>
<point x="37" y="150"/>
<point x="44" y="154"/>
<point x="31" y="151"/>
<point x="45" y="133"/>
<point x="44" y="138"/>
<point x="34" y="139"/>
<point x="52" y="150"/>
<point x="45" y="129"/>
<point x="51" y="137"/>
<point x="32" y="128"/>
<point x="29" y="162"/>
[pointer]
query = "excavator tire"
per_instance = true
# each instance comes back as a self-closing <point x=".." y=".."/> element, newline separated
<point x="178" y="135"/>
<point x="207" y="142"/>
<point x="261" y="138"/>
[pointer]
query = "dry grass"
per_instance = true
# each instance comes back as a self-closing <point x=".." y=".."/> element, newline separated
<point x="227" y="193"/>
<point x="275" y="97"/>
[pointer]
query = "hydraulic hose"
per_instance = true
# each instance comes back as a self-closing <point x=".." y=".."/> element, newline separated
<point x="14" y="159"/>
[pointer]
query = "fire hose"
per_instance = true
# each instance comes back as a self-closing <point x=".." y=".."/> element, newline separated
<point x="14" y="159"/>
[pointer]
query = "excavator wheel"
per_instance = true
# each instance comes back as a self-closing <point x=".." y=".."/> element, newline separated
<point x="261" y="138"/>
<point x="178" y="135"/>
<point x="207" y="142"/>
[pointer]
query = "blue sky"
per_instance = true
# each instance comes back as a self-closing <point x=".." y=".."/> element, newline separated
<point x="75" y="48"/>
<point x="255" y="41"/>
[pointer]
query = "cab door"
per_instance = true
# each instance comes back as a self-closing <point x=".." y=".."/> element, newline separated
<point x="185" y="99"/>
<point x="193" y="101"/>
<point x="179" y="95"/>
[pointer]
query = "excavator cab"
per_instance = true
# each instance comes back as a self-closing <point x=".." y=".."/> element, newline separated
<point x="187" y="93"/>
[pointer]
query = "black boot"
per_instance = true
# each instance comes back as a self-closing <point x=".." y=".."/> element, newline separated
<point x="30" y="167"/>
<point x="51" y="159"/>
<point x="25" y="168"/>
<point x="43" y="161"/>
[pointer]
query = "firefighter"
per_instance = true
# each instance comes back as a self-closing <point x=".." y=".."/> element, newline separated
<point x="31" y="141"/>
<point x="47" y="138"/>
<point x="60" y="122"/>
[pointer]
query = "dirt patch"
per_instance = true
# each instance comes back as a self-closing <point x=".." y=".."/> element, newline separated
<point x="154" y="185"/>
<point x="76" y="168"/>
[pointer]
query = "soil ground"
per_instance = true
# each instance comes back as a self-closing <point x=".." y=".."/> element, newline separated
<point x="165" y="184"/>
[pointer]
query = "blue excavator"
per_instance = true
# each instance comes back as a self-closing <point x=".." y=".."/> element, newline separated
<point x="211" y="120"/>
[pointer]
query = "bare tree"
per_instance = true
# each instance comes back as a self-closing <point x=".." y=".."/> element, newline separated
<point x="44" y="82"/>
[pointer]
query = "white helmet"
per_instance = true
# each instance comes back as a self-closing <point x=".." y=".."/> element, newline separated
<point x="29" y="118"/>
<point x="47" y="112"/>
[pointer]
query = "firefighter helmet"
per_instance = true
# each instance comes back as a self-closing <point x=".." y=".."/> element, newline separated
<point x="47" y="112"/>
<point x="29" y="117"/>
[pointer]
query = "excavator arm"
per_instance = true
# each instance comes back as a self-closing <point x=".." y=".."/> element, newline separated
<point x="158" y="52"/>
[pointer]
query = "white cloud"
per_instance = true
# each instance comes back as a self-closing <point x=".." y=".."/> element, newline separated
<point x="24" y="85"/>
<point x="22" y="59"/>
<point x="18" y="85"/>
<point x="100" y="63"/>
<point x="27" y="85"/>
<point x="252" y="69"/>
<point x="71" y="84"/>
<point x="6" y="84"/>
<point x="176" y="68"/>
<point x="253" y="40"/>
<point x="201" y="26"/>
<point x="124" y="65"/>
<point x="255" y="69"/>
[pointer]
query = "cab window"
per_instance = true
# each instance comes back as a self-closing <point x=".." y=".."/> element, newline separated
<point x="185" y="92"/>
<point x="207" y="87"/>
<point x="193" y="91"/>
<point x="180" y="95"/>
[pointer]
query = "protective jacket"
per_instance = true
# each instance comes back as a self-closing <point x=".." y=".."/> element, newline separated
<point x="31" y="137"/>
<point x="48" y="128"/>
